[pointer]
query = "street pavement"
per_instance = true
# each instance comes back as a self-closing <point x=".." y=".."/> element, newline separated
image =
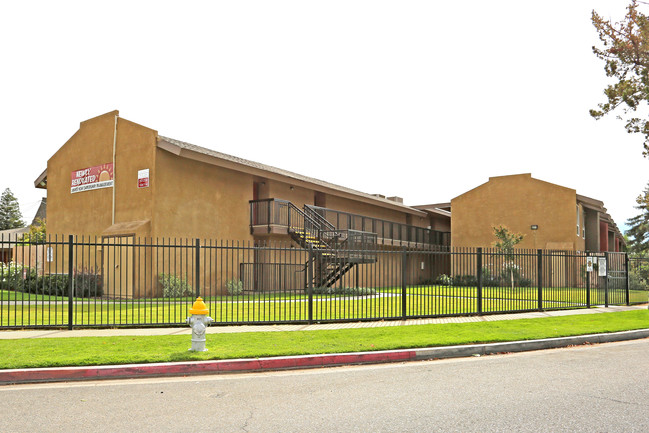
<point x="590" y="388"/>
<point x="33" y="375"/>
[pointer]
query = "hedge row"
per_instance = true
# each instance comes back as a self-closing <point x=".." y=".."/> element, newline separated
<point x="86" y="284"/>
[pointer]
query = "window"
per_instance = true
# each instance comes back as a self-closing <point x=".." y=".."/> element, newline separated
<point x="577" y="220"/>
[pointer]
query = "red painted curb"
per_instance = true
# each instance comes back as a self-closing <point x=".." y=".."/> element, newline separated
<point x="34" y="375"/>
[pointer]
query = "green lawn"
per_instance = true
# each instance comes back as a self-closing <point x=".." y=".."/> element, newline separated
<point x="10" y="295"/>
<point x="49" y="352"/>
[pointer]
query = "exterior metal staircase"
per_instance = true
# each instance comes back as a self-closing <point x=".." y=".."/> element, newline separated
<point x="335" y="252"/>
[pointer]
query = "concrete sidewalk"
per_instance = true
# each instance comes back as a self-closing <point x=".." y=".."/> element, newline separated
<point x="35" y="375"/>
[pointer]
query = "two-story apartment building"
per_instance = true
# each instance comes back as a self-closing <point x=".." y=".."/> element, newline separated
<point x="120" y="181"/>
<point x="551" y="217"/>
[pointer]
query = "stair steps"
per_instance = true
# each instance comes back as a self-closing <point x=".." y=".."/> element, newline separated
<point x="334" y="264"/>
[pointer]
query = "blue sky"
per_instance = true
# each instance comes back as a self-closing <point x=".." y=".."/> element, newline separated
<point x="423" y="100"/>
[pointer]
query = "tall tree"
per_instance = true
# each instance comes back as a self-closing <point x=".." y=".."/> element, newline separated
<point x="638" y="231"/>
<point x="506" y="243"/>
<point x="625" y="51"/>
<point x="10" y="216"/>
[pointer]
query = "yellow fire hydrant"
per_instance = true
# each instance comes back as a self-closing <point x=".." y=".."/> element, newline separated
<point x="198" y="321"/>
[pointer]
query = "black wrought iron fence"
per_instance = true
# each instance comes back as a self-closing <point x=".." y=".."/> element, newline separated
<point x="126" y="281"/>
<point x="638" y="278"/>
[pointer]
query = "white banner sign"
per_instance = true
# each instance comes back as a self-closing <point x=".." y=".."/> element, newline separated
<point x="100" y="176"/>
<point x="601" y="266"/>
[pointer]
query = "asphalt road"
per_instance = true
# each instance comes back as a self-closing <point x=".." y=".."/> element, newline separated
<point x="603" y="388"/>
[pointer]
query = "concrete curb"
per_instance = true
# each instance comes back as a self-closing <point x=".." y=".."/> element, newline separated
<point x="526" y="345"/>
<point x="35" y="375"/>
<point x="129" y="371"/>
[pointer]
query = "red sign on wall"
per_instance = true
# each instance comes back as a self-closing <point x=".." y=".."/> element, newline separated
<point x="100" y="176"/>
<point x="143" y="178"/>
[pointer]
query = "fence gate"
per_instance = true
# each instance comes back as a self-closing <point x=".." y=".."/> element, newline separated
<point x="615" y="284"/>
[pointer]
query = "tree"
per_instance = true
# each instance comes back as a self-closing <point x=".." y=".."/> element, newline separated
<point x="506" y="243"/>
<point x="10" y="216"/>
<point x="625" y="51"/>
<point x="638" y="231"/>
<point x="37" y="232"/>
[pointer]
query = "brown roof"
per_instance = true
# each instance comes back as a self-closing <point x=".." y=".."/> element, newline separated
<point x="182" y="148"/>
<point x="598" y="205"/>
<point x="9" y="237"/>
<point x="41" y="180"/>
<point x="41" y="213"/>
<point x="193" y="151"/>
<point x="436" y="207"/>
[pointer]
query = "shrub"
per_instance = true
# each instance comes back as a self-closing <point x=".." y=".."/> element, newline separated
<point x="467" y="280"/>
<point x="14" y="276"/>
<point x="636" y="282"/>
<point x="510" y="270"/>
<point x="525" y="282"/>
<point x="53" y="284"/>
<point x="234" y="287"/>
<point x="344" y="291"/>
<point x="88" y="284"/>
<point x="489" y="280"/>
<point x="173" y="286"/>
<point x="444" y="280"/>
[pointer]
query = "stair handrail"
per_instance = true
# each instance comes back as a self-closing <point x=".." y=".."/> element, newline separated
<point x="322" y="220"/>
<point x="302" y="214"/>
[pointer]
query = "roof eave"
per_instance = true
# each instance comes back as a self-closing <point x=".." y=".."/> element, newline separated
<point x="233" y="165"/>
<point x="41" y="181"/>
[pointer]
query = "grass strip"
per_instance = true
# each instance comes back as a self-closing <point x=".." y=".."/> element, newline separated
<point x="57" y="352"/>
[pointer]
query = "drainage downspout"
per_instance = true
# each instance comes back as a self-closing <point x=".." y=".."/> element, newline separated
<point x="114" y="145"/>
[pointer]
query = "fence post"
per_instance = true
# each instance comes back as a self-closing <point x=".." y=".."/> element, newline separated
<point x="288" y="217"/>
<point x="70" y="282"/>
<point x="310" y="283"/>
<point x="479" y="279"/>
<point x="539" y="278"/>
<point x="197" y="270"/>
<point x="626" y="277"/>
<point x="606" y="279"/>
<point x="404" y="275"/>
<point x="587" y="281"/>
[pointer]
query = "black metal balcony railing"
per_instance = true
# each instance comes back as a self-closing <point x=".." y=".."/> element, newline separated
<point x="276" y="212"/>
<point x="353" y="245"/>
<point x="269" y="213"/>
<point x="281" y="213"/>
<point x="383" y="228"/>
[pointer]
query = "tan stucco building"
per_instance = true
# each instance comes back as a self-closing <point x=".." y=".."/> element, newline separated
<point x="120" y="181"/>
<point x="190" y="191"/>
<point x="550" y="216"/>
<point x="123" y="184"/>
